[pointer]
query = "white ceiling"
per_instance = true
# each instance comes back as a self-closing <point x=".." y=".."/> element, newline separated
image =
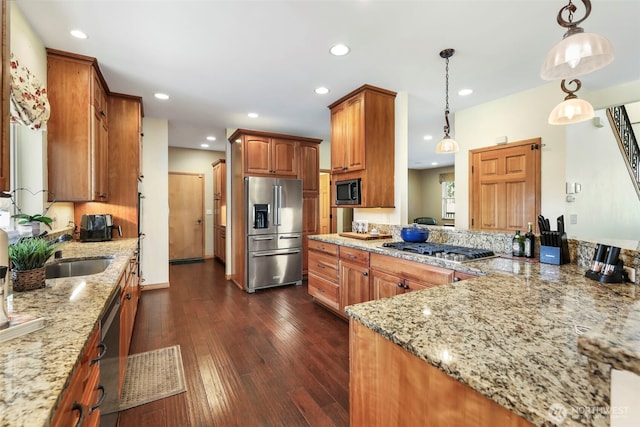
<point x="219" y="60"/>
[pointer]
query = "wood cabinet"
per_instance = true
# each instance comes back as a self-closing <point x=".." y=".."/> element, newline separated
<point x="130" y="294"/>
<point x="323" y="282"/>
<point x="363" y="143"/>
<point x="271" y="156"/>
<point x="257" y="153"/>
<point x="77" y="153"/>
<point x="354" y="277"/>
<point x="125" y="154"/>
<point x="340" y="275"/>
<point x="390" y="386"/>
<point x="81" y="398"/>
<point x="219" y="209"/>
<point x="393" y="276"/>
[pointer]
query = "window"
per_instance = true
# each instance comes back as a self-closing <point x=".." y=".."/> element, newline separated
<point x="448" y="199"/>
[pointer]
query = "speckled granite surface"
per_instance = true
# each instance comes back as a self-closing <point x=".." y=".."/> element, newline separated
<point x="527" y="335"/>
<point x="37" y="366"/>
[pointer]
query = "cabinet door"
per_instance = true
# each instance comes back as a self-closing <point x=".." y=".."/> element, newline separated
<point x="284" y="157"/>
<point x="100" y="158"/>
<point x="310" y="210"/>
<point x="309" y="166"/>
<point x="338" y="139"/>
<point x="386" y="285"/>
<point x="354" y="284"/>
<point x="257" y="155"/>
<point x="355" y="148"/>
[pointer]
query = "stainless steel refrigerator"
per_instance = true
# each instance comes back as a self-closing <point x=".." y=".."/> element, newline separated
<point x="274" y="232"/>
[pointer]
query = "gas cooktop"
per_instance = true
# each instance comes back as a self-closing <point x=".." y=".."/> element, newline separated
<point x="442" y="251"/>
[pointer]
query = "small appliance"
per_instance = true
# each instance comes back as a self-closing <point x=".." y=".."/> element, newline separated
<point x="97" y="228"/>
<point x="348" y="192"/>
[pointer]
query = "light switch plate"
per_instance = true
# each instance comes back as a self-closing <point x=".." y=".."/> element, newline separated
<point x="209" y="211"/>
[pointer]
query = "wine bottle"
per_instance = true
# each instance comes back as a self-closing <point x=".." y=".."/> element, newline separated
<point x="518" y="244"/>
<point x="529" y="242"/>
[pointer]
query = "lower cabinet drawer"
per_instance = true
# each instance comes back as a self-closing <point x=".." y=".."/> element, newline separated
<point x="323" y="265"/>
<point x="325" y="291"/>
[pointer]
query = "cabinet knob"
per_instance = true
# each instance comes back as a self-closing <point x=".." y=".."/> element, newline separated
<point x="128" y="295"/>
<point x="365" y="273"/>
<point x="103" y="196"/>
<point x="400" y="285"/>
<point x="456" y="279"/>
<point x="406" y="287"/>
<point x="103" y="347"/>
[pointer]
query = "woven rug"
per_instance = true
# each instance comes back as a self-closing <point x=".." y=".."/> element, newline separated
<point x="152" y="375"/>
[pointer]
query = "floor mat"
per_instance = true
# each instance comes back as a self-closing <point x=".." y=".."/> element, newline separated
<point x="151" y="376"/>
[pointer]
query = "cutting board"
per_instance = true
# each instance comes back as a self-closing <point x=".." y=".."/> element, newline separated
<point x="364" y="236"/>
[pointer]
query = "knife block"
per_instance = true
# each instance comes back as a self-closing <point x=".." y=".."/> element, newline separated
<point x="556" y="255"/>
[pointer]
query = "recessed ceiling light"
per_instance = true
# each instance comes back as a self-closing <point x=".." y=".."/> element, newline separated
<point x="428" y="137"/>
<point x="211" y="138"/>
<point x="204" y="145"/>
<point x="434" y="163"/>
<point x="253" y="115"/>
<point x="162" y="96"/>
<point x="78" y="34"/>
<point x="322" y="90"/>
<point x="465" y="92"/>
<point x="339" y="49"/>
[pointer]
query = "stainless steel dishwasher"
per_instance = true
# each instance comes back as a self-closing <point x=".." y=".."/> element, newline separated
<point x="109" y="365"/>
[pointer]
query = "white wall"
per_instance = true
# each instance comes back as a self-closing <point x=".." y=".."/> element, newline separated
<point x="607" y="207"/>
<point x="155" y="205"/>
<point x="425" y="193"/>
<point x="199" y="161"/>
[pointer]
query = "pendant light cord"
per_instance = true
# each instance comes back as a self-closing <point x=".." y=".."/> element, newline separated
<point x="446" y="108"/>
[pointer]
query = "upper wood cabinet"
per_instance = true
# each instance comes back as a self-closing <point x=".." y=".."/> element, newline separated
<point x="310" y="166"/>
<point x="363" y="143"/>
<point x="271" y="156"/>
<point x="77" y="129"/>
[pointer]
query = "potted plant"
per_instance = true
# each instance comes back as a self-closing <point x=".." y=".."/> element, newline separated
<point x="34" y="221"/>
<point x="28" y="257"/>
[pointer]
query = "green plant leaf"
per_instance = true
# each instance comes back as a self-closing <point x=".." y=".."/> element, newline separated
<point x="29" y="253"/>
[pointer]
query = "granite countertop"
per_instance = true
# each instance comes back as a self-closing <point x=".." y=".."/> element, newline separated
<point x="36" y="367"/>
<point x="524" y="334"/>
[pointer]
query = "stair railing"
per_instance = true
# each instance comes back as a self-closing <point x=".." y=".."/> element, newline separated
<point x="627" y="142"/>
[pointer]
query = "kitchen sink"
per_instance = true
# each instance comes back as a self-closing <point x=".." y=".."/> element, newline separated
<point x="77" y="267"/>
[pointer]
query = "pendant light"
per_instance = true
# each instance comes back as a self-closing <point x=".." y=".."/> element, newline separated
<point x="572" y="109"/>
<point x="578" y="53"/>
<point x="447" y="144"/>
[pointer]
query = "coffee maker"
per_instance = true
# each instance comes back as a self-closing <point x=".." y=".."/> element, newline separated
<point x="97" y="228"/>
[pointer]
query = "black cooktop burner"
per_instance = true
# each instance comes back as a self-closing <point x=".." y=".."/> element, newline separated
<point x="448" y="252"/>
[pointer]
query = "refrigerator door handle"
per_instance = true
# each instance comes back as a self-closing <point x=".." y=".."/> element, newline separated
<point x="278" y="203"/>
<point x="272" y="253"/>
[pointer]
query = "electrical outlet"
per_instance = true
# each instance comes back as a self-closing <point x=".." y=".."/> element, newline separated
<point x="631" y="272"/>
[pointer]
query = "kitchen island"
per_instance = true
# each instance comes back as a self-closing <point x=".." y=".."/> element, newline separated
<point x="537" y="339"/>
<point x="37" y="367"/>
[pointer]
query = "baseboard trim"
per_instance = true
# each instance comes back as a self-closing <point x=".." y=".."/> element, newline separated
<point x="155" y="286"/>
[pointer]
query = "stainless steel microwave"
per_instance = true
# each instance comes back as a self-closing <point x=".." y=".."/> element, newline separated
<point x="348" y="192"/>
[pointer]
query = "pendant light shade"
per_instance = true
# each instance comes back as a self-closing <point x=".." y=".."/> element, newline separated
<point x="579" y="53"/>
<point x="447" y="144"/>
<point x="572" y="109"/>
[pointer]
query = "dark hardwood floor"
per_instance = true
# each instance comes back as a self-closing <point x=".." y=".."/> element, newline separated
<point x="273" y="358"/>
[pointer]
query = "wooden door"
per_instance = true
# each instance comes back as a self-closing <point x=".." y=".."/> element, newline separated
<point x="354" y="284"/>
<point x="505" y="186"/>
<point x="284" y="157"/>
<point x="325" y="203"/>
<point x="257" y="155"/>
<point x="355" y="134"/>
<point x="385" y="285"/>
<point x="186" y="213"/>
